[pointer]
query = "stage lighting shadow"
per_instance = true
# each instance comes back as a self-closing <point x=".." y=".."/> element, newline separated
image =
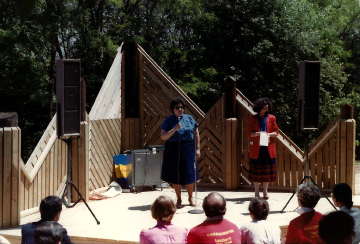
<point x="140" y="208"/>
<point x="270" y="212"/>
<point x="239" y="200"/>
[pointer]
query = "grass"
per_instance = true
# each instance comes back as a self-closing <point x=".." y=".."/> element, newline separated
<point x="357" y="162"/>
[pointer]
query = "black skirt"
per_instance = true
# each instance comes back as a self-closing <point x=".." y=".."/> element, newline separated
<point x="178" y="163"/>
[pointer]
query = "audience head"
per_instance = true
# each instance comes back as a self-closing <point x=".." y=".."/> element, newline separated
<point x="337" y="227"/>
<point x="50" y="208"/>
<point x="259" y="208"/>
<point x="342" y="195"/>
<point x="214" y="205"/>
<point x="163" y="209"/>
<point x="48" y="232"/>
<point x="308" y="195"/>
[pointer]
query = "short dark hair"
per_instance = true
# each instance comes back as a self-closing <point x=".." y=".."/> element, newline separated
<point x="259" y="208"/>
<point x="214" y="205"/>
<point x="259" y="103"/>
<point x="163" y="209"/>
<point x="48" y="232"/>
<point x="175" y="102"/>
<point x="337" y="227"/>
<point x="49" y="207"/>
<point x="309" y="195"/>
<point x="342" y="193"/>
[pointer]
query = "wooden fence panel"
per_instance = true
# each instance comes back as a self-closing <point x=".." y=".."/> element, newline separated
<point x="103" y="146"/>
<point x="332" y="161"/>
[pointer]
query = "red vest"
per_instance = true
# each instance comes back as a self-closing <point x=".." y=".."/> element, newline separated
<point x="304" y="229"/>
<point x="253" y="126"/>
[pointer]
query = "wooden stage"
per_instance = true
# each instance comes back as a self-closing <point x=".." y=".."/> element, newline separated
<point x="123" y="216"/>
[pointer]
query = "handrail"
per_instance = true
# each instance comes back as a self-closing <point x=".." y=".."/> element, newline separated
<point x="31" y="176"/>
<point x="42" y="139"/>
<point x="142" y="51"/>
<point x="324" y="133"/>
<point x="24" y="170"/>
<point x="323" y="138"/>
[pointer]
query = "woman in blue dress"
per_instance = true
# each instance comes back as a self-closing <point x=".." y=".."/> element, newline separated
<point x="182" y="148"/>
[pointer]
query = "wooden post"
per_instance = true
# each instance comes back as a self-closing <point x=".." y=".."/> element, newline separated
<point x="8" y="119"/>
<point x="230" y="98"/>
<point x="346" y="112"/>
<point x="131" y="80"/>
<point x="80" y="166"/>
<point x="230" y="169"/>
<point x="350" y="153"/>
<point x="342" y="151"/>
<point x="141" y="99"/>
<point x="10" y="176"/>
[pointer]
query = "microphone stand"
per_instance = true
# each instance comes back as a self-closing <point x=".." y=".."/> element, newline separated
<point x="195" y="211"/>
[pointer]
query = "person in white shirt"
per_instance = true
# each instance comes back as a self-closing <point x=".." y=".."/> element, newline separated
<point x="342" y="197"/>
<point x="259" y="230"/>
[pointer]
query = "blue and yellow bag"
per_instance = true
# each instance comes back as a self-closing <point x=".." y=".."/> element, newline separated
<point x="123" y="169"/>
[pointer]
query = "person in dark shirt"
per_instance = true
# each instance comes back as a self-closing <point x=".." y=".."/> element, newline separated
<point x="50" y="210"/>
<point x="48" y="232"/>
<point x="337" y="227"/>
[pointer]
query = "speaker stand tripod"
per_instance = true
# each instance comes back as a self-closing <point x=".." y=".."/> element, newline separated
<point x="69" y="184"/>
<point x="195" y="211"/>
<point x="307" y="177"/>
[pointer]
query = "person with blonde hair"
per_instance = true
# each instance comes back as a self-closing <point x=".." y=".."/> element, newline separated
<point x="163" y="210"/>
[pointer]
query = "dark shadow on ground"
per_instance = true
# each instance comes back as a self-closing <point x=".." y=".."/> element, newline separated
<point x="239" y="200"/>
<point x="140" y="208"/>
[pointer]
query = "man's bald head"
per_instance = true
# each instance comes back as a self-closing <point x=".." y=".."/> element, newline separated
<point x="214" y="205"/>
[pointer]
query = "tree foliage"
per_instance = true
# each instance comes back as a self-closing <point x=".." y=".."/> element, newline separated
<point x="197" y="43"/>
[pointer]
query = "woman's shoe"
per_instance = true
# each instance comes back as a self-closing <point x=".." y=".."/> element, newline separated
<point x="178" y="204"/>
<point x="191" y="202"/>
<point x="266" y="197"/>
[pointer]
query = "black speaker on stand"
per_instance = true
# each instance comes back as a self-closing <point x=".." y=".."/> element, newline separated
<point x="68" y="110"/>
<point x="308" y="111"/>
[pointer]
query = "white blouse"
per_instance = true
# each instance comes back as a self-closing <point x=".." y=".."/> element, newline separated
<point x="260" y="232"/>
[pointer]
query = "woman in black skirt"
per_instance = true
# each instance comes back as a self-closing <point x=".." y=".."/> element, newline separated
<point x="262" y="165"/>
<point x="182" y="148"/>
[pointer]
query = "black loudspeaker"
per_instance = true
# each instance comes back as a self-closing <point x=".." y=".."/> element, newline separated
<point x="308" y="95"/>
<point x="68" y="94"/>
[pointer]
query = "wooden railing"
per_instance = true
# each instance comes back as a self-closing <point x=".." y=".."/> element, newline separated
<point x="331" y="155"/>
<point x="43" y="174"/>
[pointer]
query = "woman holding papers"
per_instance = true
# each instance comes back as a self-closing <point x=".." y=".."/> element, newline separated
<point x="261" y="130"/>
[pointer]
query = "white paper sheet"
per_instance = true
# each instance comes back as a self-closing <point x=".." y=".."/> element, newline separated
<point x="264" y="139"/>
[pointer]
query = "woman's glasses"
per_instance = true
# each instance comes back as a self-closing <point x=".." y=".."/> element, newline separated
<point x="178" y="107"/>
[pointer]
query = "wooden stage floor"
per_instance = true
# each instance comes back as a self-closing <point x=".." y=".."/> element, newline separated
<point x="123" y="216"/>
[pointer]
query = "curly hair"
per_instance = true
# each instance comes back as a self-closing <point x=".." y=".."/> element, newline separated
<point x="175" y="102"/>
<point x="342" y="193"/>
<point x="309" y="195"/>
<point x="259" y="103"/>
<point x="337" y="227"/>
<point x="163" y="209"/>
<point x="214" y="205"/>
<point x="259" y="208"/>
